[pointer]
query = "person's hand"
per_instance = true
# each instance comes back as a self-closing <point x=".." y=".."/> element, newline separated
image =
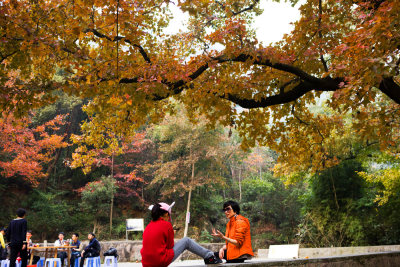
<point x="217" y="233"/>
<point x="23" y="246"/>
<point x="221" y="253"/>
<point x="82" y="253"/>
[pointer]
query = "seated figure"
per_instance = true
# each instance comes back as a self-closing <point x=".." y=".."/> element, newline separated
<point x="91" y="250"/>
<point x="30" y="244"/>
<point x="78" y="247"/>
<point x="61" y="253"/>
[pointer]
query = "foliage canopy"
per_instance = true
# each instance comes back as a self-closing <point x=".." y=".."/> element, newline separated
<point x="115" y="53"/>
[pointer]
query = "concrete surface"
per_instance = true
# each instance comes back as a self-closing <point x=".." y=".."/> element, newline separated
<point x="379" y="259"/>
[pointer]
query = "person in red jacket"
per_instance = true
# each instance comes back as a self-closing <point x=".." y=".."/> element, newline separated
<point x="159" y="249"/>
<point x="237" y="237"/>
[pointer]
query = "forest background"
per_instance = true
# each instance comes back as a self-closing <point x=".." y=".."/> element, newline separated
<point x="103" y="114"/>
<point x="340" y="206"/>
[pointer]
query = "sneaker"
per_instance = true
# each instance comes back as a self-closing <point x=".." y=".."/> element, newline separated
<point x="212" y="260"/>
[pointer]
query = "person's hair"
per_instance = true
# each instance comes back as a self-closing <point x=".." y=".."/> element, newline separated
<point x="92" y="234"/>
<point x="61" y="233"/>
<point x="157" y="212"/>
<point x="21" y="212"/>
<point x="29" y="231"/>
<point x="234" y="205"/>
<point x="76" y="234"/>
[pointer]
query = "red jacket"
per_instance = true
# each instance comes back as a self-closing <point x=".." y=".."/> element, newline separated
<point x="238" y="228"/>
<point x="158" y="244"/>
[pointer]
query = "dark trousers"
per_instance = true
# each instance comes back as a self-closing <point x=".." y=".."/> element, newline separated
<point x="74" y="256"/>
<point x="62" y="255"/>
<point x="35" y="259"/>
<point x="16" y="248"/>
<point x="228" y="261"/>
<point x="3" y="253"/>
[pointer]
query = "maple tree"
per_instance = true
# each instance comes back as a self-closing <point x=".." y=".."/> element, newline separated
<point x="25" y="151"/>
<point x="115" y="52"/>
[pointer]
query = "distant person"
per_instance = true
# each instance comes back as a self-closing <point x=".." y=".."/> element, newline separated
<point x="237" y="235"/>
<point x="61" y="253"/>
<point x="159" y="249"/>
<point x="3" y="249"/>
<point x="30" y="244"/>
<point x="91" y="250"/>
<point x="77" y="250"/>
<point x="16" y="235"/>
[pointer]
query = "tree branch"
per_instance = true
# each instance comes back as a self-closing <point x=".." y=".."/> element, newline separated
<point x="118" y="38"/>
<point x="389" y="87"/>
<point x="282" y="98"/>
<point x="320" y="36"/>
<point x="307" y="83"/>
<point x="6" y="56"/>
<point x="250" y="7"/>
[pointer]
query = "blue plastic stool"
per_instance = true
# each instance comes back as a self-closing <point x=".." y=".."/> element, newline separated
<point x="110" y="261"/>
<point x="53" y="262"/>
<point x="40" y="263"/>
<point x="5" y="263"/>
<point x="18" y="263"/>
<point x="92" y="262"/>
<point x="77" y="261"/>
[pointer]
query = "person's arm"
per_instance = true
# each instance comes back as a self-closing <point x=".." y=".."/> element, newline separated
<point x="240" y="233"/>
<point x="222" y="252"/>
<point x="3" y="245"/>
<point x="87" y="248"/>
<point x="170" y="237"/>
<point x="24" y="230"/>
<point x="8" y="233"/>
<point x="217" y="233"/>
<point x="96" y="246"/>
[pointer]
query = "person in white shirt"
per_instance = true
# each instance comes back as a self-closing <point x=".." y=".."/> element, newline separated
<point x="61" y="253"/>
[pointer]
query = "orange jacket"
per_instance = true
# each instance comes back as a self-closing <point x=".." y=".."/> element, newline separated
<point x="238" y="228"/>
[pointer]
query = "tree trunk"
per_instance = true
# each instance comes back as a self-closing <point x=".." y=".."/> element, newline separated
<point x="187" y="213"/>
<point x="112" y="192"/>
<point x="334" y="190"/>
<point x="189" y="197"/>
<point x="240" y="184"/>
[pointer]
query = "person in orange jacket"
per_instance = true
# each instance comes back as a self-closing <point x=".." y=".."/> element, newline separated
<point x="237" y="237"/>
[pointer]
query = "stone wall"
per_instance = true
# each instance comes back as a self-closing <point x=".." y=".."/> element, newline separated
<point x="129" y="251"/>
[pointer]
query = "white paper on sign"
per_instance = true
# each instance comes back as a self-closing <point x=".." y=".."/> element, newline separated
<point x="134" y="225"/>
<point x="283" y="251"/>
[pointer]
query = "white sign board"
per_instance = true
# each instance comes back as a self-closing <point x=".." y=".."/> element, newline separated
<point x="134" y="225"/>
<point x="283" y="251"/>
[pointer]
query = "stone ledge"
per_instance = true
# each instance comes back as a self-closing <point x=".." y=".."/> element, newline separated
<point x="379" y="259"/>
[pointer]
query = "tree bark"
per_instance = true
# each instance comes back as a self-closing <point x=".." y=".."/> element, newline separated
<point x="389" y="87"/>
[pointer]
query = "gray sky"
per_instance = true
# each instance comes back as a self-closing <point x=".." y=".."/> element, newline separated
<point x="271" y="25"/>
